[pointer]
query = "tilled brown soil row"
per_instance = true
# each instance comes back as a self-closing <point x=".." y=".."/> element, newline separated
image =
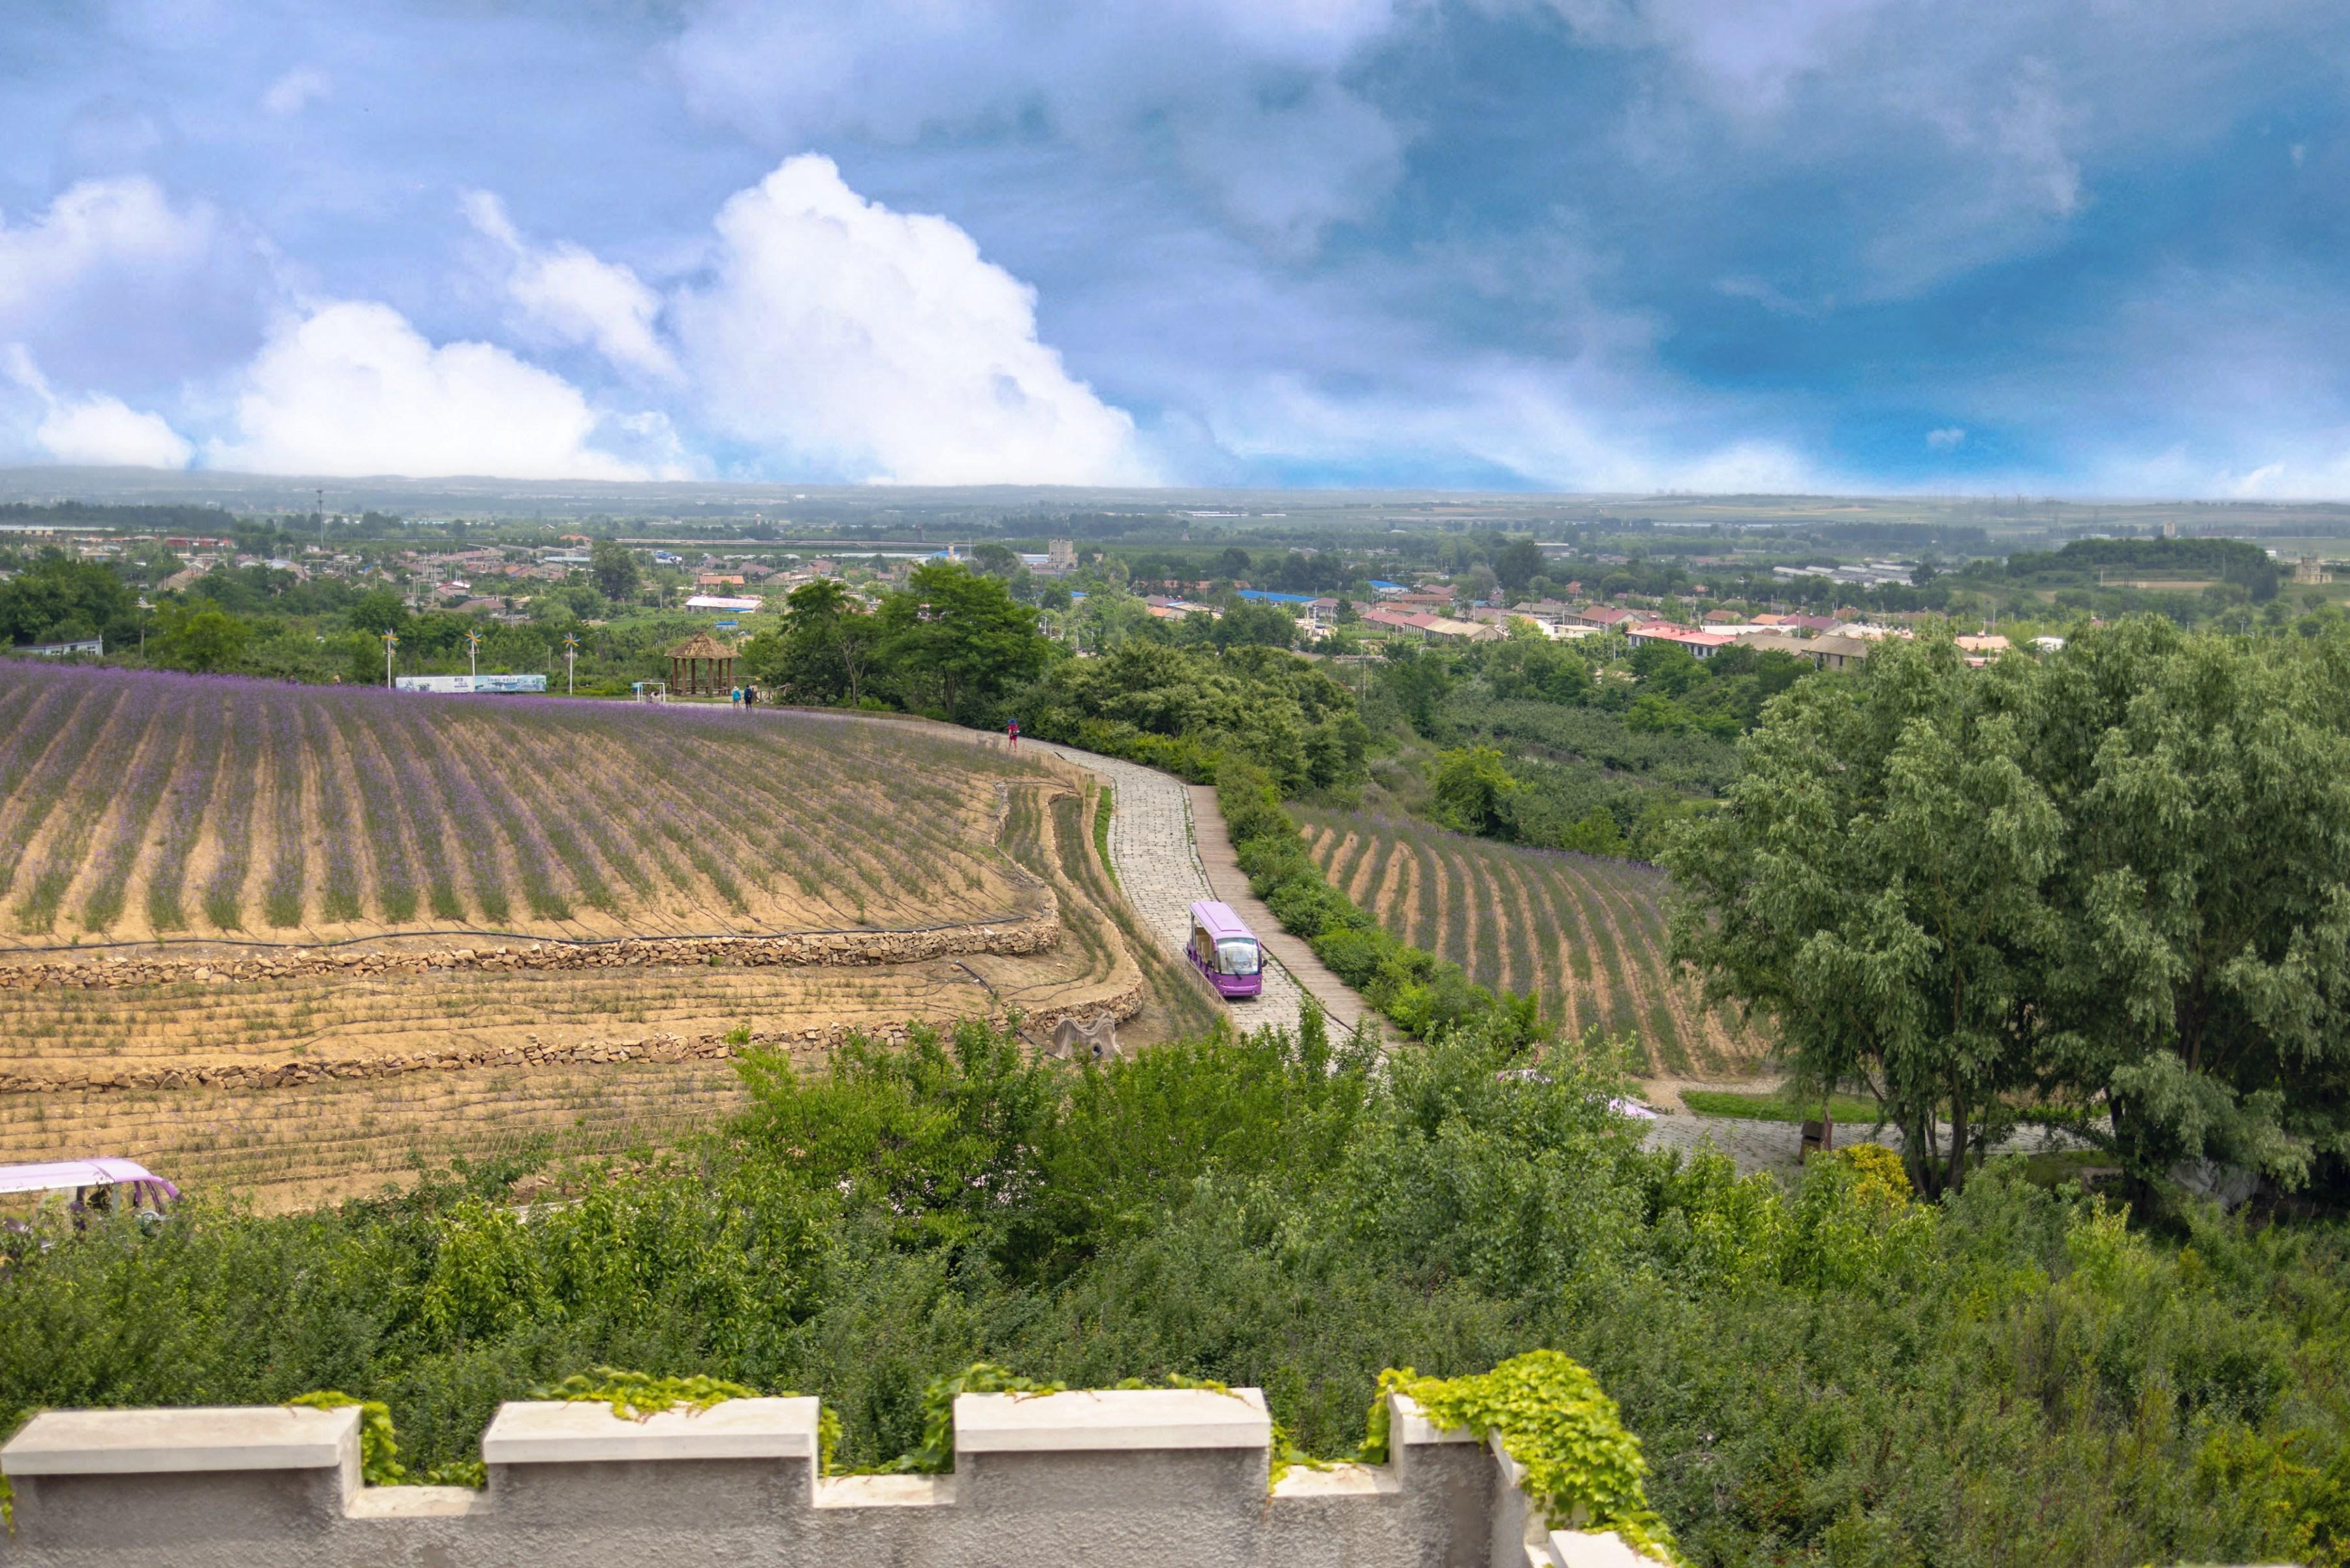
<point x="660" y="1047"/>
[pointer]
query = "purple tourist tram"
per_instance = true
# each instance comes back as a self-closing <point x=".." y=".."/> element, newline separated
<point x="1225" y="951"/>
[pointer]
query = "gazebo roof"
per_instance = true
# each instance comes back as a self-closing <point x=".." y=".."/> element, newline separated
<point x="702" y="645"/>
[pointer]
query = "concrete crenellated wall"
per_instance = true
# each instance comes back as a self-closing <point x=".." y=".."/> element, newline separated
<point x="1134" y="1477"/>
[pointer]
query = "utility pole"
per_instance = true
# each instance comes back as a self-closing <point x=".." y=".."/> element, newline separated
<point x="391" y="641"/>
<point x="321" y="508"/>
<point x="144" y="608"/>
<point x="474" y="653"/>
<point x="570" y="672"/>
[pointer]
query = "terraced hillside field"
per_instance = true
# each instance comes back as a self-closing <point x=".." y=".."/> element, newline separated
<point x="1585" y="932"/>
<point x="136" y="805"/>
<point x="506" y="924"/>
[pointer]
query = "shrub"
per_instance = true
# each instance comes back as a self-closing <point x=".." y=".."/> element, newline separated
<point x="1412" y="988"/>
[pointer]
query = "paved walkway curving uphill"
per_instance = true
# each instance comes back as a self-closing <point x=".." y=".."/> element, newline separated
<point x="1341" y="1002"/>
<point x="1160" y="870"/>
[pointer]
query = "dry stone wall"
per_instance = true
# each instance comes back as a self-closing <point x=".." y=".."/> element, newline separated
<point x="1035" y="933"/>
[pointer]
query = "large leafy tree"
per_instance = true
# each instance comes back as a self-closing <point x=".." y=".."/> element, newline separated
<point x="2118" y="879"/>
<point x="959" y="640"/>
<point x="1473" y="789"/>
<point x="824" y="654"/>
<point x="2203" y="986"/>
<point x="200" y="638"/>
<point x="1875" y="885"/>
<point x="59" y="598"/>
<point x="614" y="569"/>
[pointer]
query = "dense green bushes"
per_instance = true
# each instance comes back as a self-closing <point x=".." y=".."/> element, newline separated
<point x="1835" y="1374"/>
<point x="1179" y="708"/>
<point x="1413" y="987"/>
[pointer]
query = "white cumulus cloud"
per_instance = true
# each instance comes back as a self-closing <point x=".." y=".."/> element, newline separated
<point x="569" y="294"/>
<point x="1948" y="439"/>
<point x="836" y="333"/>
<point x="97" y="431"/>
<point x="103" y="431"/>
<point x="353" y="389"/>
<point x="117" y="284"/>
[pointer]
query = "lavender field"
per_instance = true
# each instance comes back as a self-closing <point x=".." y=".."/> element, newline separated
<point x="1586" y="931"/>
<point x="136" y="804"/>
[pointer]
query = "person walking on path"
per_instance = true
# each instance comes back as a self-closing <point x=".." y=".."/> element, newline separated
<point x="1012" y="732"/>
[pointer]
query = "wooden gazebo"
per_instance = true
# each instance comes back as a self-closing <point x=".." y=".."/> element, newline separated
<point x="701" y="664"/>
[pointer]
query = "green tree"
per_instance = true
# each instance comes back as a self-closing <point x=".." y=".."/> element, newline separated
<point x="1667" y="667"/>
<point x="823" y="652"/>
<point x="615" y="570"/>
<point x="959" y="640"/>
<point x="1875" y="885"/>
<point x="1418" y="681"/>
<point x="201" y="639"/>
<point x="1253" y="622"/>
<point x="2205" y="984"/>
<point x="1473" y="791"/>
<point x="1518" y="563"/>
<point x="378" y="610"/>
<point x="1596" y="833"/>
<point x="60" y="599"/>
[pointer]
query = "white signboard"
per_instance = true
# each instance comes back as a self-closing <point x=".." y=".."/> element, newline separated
<point x="465" y="685"/>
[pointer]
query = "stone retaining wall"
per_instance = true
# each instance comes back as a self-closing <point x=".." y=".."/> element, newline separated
<point x="1138" y="1477"/>
<point x="1028" y="934"/>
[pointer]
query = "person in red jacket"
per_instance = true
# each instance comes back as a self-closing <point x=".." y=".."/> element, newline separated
<point x="1012" y="730"/>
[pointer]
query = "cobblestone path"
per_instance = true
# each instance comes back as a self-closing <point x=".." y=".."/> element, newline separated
<point x="1159" y="870"/>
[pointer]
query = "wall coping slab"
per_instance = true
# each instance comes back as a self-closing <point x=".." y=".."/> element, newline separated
<point x="544" y="1432"/>
<point x="1110" y="1420"/>
<point x="149" y="1442"/>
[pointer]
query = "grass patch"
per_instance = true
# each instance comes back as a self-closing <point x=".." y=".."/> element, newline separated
<point x="1777" y="1108"/>
<point x="1103" y="802"/>
<point x="2084" y="1166"/>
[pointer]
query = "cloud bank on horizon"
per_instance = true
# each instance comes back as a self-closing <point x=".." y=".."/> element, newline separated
<point x="2055" y="245"/>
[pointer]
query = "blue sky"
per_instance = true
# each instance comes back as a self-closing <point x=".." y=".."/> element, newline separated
<point x="1579" y="245"/>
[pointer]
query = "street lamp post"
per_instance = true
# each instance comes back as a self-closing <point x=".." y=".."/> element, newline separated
<point x="391" y="641"/>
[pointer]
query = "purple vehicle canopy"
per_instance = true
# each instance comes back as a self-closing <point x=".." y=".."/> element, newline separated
<point x="69" y="1175"/>
<point x="1225" y="951"/>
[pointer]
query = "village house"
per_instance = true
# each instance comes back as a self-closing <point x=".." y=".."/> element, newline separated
<point x="1700" y="644"/>
<point x="1828" y="652"/>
